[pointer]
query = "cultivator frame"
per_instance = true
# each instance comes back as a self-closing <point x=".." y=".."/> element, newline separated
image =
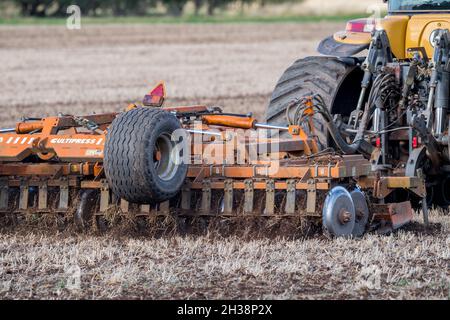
<point x="55" y="166"/>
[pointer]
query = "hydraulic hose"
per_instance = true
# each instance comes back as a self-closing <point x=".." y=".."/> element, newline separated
<point x="382" y="90"/>
<point x="358" y="144"/>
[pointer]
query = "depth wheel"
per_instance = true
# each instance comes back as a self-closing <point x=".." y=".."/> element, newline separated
<point x="141" y="162"/>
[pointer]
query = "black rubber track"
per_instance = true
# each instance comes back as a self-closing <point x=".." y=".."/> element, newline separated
<point x="312" y="75"/>
<point x="129" y="156"/>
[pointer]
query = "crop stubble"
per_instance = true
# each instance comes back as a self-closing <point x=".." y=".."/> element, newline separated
<point x="46" y="70"/>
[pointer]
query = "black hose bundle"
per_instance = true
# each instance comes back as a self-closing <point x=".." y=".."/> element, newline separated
<point x="320" y="107"/>
<point x="301" y="105"/>
<point x="382" y="94"/>
<point x="385" y="93"/>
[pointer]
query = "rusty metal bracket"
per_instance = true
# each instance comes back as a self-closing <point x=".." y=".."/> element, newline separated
<point x="385" y="185"/>
<point x="306" y="176"/>
<point x="398" y="214"/>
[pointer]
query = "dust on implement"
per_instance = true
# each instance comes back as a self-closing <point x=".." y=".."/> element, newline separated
<point x="191" y="162"/>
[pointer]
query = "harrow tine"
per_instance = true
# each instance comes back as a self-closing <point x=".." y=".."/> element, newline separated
<point x="228" y="197"/>
<point x="43" y="196"/>
<point x="270" y="197"/>
<point x="63" y="195"/>
<point x="206" y="197"/>
<point x="124" y="206"/>
<point x="104" y="197"/>
<point x="311" y="197"/>
<point x="290" y="197"/>
<point x="248" y="196"/>
<point x="164" y="208"/>
<point x="4" y="195"/>
<point x="186" y="197"/>
<point x="24" y="195"/>
<point x="145" y="209"/>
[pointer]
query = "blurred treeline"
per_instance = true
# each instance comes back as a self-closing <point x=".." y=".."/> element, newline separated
<point x="57" y="8"/>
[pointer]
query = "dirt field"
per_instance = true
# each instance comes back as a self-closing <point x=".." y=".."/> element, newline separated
<point x="411" y="264"/>
<point x="47" y="70"/>
<point x="51" y="69"/>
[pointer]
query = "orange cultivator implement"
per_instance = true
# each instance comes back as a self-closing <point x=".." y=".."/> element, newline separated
<point x="191" y="162"/>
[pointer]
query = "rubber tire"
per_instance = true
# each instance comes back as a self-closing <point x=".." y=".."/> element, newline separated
<point x="312" y="75"/>
<point x="440" y="195"/>
<point x="129" y="151"/>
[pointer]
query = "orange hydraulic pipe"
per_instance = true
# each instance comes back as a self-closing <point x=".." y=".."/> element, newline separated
<point x="230" y="121"/>
<point x="27" y="127"/>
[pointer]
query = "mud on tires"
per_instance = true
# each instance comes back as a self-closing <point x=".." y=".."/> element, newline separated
<point x="138" y="156"/>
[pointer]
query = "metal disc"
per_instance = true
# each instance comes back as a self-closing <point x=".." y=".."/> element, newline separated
<point x="338" y="215"/>
<point x="85" y="209"/>
<point x="362" y="212"/>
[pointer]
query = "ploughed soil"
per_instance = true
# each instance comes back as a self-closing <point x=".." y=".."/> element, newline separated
<point x="47" y="70"/>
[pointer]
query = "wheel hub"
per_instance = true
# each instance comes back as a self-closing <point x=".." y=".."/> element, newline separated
<point x="344" y="216"/>
<point x="339" y="215"/>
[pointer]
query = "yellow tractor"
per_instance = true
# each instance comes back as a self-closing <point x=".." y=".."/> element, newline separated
<point x="386" y="82"/>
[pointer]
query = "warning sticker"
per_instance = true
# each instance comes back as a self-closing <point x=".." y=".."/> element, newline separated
<point x="93" y="152"/>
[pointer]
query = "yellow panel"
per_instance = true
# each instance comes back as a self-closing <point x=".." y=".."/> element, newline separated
<point x="420" y="28"/>
<point x="352" y="37"/>
<point x="395" y="27"/>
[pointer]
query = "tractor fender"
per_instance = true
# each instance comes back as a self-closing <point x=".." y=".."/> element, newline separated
<point x="332" y="47"/>
<point x="350" y="42"/>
